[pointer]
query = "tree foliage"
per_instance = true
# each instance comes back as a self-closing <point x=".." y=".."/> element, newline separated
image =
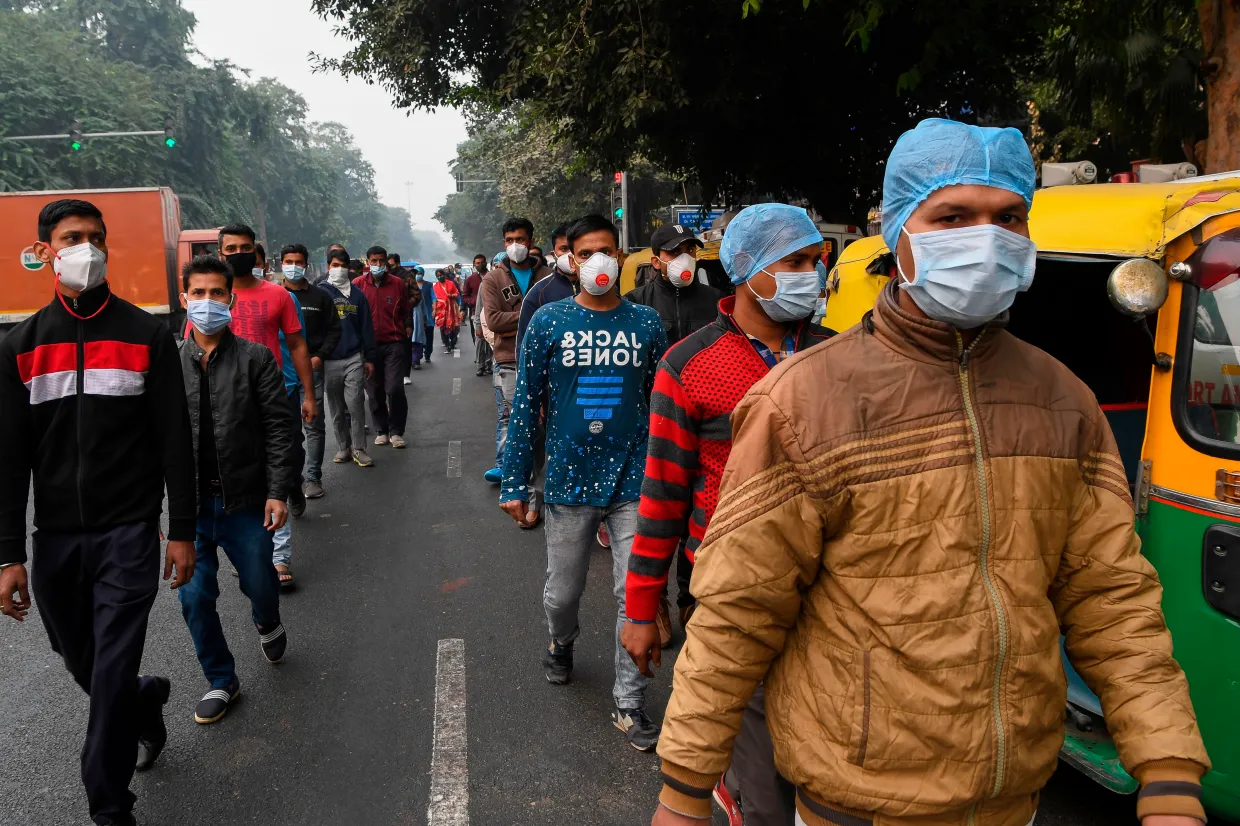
<point x="1120" y="82"/>
<point x="246" y="150"/>
<point x="794" y="100"/>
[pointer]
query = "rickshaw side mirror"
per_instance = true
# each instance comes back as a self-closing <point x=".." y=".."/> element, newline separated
<point x="1137" y="287"/>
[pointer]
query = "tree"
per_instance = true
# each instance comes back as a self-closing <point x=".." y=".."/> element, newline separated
<point x="245" y="151"/>
<point x="786" y="102"/>
<point x="1220" y="30"/>
<point x="1120" y="83"/>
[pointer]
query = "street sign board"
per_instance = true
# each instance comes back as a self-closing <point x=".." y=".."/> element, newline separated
<point x="692" y="217"/>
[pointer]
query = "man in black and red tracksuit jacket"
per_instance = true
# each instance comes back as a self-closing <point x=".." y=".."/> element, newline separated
<point x="93" y="405"/>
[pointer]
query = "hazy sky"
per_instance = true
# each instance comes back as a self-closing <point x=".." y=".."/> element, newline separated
<point x="401" y="147"/>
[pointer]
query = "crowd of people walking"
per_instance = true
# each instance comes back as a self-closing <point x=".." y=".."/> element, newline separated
<point x="878" y="534"/>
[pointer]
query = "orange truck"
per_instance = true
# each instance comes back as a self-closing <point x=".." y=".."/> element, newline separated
<point x="146" y="249"/>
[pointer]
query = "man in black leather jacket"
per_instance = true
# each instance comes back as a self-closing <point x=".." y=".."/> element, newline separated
<point x="238" y="412"/>
<point x="685" y="304"/>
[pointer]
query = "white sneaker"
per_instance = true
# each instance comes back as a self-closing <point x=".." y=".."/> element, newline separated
<point x="381" y="439"/>
<point x="408" y="380"/>
<point x="397" y="441"/>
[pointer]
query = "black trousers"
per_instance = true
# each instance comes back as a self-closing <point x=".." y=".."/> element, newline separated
<point x="298" y="434"/>
<point x="388" y="406"/>
<point x="95" y="592"/>
<point x="767" y="798"/>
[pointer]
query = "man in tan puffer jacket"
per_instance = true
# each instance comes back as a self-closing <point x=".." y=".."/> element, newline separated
<point x="910" y="515"/>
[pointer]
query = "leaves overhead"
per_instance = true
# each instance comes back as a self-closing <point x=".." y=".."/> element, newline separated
<point x="245" y="151"/>
<point x="791" y="99"/>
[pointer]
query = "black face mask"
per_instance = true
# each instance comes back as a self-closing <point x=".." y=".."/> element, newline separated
<point x="241" y="263"/>
<point x="482" y="268"/>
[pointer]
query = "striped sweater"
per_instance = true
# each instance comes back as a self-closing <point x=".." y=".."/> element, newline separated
<point x="698" y="385"/>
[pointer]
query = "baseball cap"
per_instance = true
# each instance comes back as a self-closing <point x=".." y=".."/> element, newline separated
<point x="670" y="236"/>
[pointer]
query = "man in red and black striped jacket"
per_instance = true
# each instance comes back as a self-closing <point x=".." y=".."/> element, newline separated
<point x="696" y="388"/>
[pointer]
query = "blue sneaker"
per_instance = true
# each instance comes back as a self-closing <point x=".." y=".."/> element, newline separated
<point x="494" y="476"/>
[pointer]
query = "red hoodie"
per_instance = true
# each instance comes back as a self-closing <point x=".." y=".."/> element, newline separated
<point x="389" y="307"/>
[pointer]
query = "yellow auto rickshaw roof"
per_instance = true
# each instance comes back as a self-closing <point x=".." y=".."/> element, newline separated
<point x="1127" y="220"/>
<point x="628" y="273"/>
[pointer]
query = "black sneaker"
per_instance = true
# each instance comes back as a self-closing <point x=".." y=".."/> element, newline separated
<point x="214" y="704"/>
<point x="154" y="733"/>
<point x="643" y="733"/>
<point x="273" y="643"/>
<point x="297" y="503"/>
<point x="558" y="663"/>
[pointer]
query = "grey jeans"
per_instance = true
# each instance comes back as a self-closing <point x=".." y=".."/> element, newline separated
<point x="344" y="383"/>
<point x="570" y="533"/>
<point x="315" y="431"/>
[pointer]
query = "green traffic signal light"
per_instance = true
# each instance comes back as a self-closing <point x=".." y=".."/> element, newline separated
<point x="170" y="142"/>
<point x="619" y="212"/>
<point x="75" y="146"/>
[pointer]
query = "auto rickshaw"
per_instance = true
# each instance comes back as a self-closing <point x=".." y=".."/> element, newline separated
<point x="1137" y="291"/>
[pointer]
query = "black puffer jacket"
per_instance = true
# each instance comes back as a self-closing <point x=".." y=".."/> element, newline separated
<point x="251" y="412"/>
<point x="684" y="310"/>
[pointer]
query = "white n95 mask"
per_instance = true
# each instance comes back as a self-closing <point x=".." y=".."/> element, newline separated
<point x="598" y="273"/>
<point x="81" y="267"/>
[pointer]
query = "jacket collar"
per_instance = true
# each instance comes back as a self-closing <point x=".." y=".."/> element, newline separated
<point x="195" y="351"/>
<point x="922" y="339"/>
<point x="805" y="329"/>
<point x="88" y="303"/>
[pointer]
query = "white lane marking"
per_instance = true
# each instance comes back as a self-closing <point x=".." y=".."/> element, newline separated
<point x="456" y="352"/>
<point x="456" y="387"/>
<point x="449" y="804"/>
<point x="454" y="460"/>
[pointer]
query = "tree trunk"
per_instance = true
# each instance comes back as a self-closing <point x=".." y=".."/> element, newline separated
<point x="1220" y="35"/>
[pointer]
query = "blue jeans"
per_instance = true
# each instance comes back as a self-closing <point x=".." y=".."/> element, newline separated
<point x="570" y="533"/>
<point x="248" y="545"/>
<point x="504" y="380"/>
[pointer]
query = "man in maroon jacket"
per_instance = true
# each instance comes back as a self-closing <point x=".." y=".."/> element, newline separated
<point x="390" y="313"/>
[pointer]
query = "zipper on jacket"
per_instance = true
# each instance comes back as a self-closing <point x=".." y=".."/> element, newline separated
<point x="987" y="580"/>
<point x="81" y="398"/>
<point x="865" y="708"/>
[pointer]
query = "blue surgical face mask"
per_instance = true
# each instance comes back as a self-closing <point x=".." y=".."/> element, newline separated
<point x="207" y="316"/>
<point x="795" y="294"/>
<point x="820" y="310"/>
<point x="966" y="277"/>
<point x="377" y="271"/>
<point x="293" y="272"/>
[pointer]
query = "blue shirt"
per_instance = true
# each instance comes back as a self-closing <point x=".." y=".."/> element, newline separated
<point x="291" y="381"/>
<point x="523" y="278"/>
<point x="554" y="287"/>
<point x="597" y="370"/>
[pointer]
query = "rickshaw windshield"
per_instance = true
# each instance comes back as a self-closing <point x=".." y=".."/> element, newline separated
<point x="1210" y="387"/>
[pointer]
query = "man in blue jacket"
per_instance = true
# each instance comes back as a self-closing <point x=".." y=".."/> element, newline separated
<point x="345" y="373"/>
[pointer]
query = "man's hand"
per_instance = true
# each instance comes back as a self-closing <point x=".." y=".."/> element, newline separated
<point x="368" y="369"/>
<point x="519" y="511"/>
<point x="179" y="555"/>
<point x="1170" y="820"/>
<point x="641" y="640"/>
<point x="14" y="598"/>
<point x="275" y="514"/>
<point x="316" y="363"/>
<point x="309" y="408"/>
<point x="664" y="816"/>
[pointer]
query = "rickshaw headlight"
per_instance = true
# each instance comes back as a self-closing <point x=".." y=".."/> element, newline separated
<point x="1137" y="287"/>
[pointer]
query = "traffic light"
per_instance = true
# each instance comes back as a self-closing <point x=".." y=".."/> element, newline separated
<point x="619" y="213"/>
<point x="460" y="181"/>
<point x="170" y="138"/>
<point x="75" y="135"/>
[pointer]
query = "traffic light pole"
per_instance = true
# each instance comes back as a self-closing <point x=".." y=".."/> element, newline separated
<point x="624" y="206"/>
<point x="66" y="135"/>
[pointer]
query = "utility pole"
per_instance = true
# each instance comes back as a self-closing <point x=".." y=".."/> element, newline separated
<point x="409" y="199"/>
<point x="624" y="206"/>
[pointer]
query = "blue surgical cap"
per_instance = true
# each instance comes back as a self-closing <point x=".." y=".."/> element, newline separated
<point x="938" y="153"/>
<point x="499" y="256"/>
<point x="762" y="234"/>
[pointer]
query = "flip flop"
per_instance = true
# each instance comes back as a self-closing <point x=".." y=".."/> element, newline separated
<point x="286" y="577"/>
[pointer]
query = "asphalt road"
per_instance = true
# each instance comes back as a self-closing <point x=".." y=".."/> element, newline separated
<point x="392" y="560"/>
